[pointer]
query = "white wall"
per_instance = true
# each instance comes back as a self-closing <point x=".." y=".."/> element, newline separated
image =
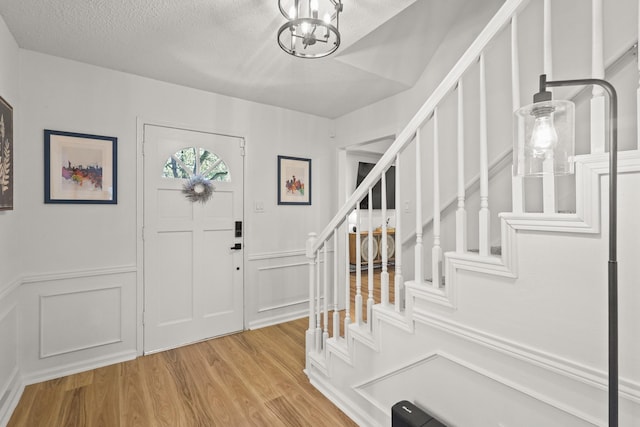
<point x="9" y="237"/>
<point x="389" y="116"/>
<point x="9" y="91"/>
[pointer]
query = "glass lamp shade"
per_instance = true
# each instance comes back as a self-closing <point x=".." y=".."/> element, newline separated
<point x="544" y="139"/>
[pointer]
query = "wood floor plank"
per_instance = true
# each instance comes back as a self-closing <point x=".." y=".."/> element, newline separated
<point x="73" y="409"/>
<point x="228" y="372"/>
<point x="100" y="395"/>
<point x="77" y="380"/>
<point x="161" y="391"/>
<point x="135" y="406"/>
<point x="46" y="406"/>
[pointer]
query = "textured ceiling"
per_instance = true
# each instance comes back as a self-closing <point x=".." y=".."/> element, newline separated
<point x="229" y="46"/>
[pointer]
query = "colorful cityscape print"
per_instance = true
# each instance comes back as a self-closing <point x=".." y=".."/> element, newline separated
<point x="89" y="176"/>
<point x="294" y="185"/>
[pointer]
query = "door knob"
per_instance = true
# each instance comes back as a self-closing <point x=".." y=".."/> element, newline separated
<point x="236" y="247"/>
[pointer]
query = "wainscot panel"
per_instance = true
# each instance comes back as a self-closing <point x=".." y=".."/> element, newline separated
<point x="277" y="288"/>
<point x="94" y="316"/>
<point x="74" y="321"/>
<point x="440" y="380"/>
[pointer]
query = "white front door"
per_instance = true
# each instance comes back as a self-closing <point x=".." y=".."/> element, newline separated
<point x="193" y="262"/>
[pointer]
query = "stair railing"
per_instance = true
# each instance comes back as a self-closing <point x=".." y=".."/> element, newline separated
<point x="317" y="246"/>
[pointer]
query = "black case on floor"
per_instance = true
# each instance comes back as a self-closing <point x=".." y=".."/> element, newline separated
<point x="406" y="414"/>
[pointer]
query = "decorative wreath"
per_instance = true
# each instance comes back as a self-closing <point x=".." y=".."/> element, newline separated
<point x="198" y="189"/>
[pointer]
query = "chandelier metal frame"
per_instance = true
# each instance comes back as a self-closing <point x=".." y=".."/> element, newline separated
<point x="305" y="35"/>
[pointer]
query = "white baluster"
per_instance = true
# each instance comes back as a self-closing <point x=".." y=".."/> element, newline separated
<point x="548" y="179"/>
<point x="318" y="306"/>
<point x="384" y="275"/>
<point x="336" y="315"/>
<point x="436" y="251"/>
<point x="461" y="212"/>
<point x="418" y="248"/>
<point x="598" y="131"/>
<point x="358" y="300"/>
<point x="398" y="280"/>
<point x="517" y="181"/>
<point x="310" y="337"/>
<point x="325" y="314"/>
<point x="347" y="279"/>
<point x="484" y="214"/>
<point x="638" y="90"/>
<point x="370" y="260"/>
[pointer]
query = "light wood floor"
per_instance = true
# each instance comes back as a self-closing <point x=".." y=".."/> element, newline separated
<point x="253" y="378"/>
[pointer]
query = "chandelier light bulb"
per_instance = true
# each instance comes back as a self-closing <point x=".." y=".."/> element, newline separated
<point x="544" y="137"/>
<point x="327" y="18"/>
<point x="313" y="5"/>
<point x="305" y="27"/>
<point x="293" y="13"/>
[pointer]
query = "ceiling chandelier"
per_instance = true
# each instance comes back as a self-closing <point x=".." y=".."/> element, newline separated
<point x="311" y="30"/>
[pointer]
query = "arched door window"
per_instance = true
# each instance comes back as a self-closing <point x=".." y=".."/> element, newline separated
<point x="187" y="162"/>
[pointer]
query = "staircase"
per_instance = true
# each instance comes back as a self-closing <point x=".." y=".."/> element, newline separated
<point x="475" y="335"/>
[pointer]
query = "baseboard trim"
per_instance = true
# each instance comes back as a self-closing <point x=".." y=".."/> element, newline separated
<point x="343" y="403"/>
<point x="74" y="368"/>
<point x="11" y="396"/>
<point x="276" y="320"/>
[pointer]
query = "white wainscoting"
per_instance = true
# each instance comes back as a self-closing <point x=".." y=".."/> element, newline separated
<point x="10" y="387"/>
<point x="94" y="315"/>
<point x="474" y="394"/>
<point x="75" y="321"/>
<point x="276" y="288"/>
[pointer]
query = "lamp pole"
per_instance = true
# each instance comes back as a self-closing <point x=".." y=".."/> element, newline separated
<point x="613" y="212"/>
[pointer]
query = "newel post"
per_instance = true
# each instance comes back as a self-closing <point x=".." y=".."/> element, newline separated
<point x="311" y="332"/>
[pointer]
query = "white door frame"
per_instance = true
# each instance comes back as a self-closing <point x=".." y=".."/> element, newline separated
<point x="140" y="123"/>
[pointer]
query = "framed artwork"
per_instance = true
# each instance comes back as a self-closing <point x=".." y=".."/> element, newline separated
<point x="80" y="168"/>
<point x="6" y="156"/>
<point x="294" y="181"/>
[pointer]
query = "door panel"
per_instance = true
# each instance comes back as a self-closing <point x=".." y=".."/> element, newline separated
<point x="193" y="277"/>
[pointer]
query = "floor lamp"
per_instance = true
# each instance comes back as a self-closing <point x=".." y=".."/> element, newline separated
<point x="544" y="138"/>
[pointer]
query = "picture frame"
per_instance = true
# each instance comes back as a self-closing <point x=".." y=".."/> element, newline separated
<point x="80" y="168"/>
<point x="294" y="181"/>
<point x="6" y="155"/>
